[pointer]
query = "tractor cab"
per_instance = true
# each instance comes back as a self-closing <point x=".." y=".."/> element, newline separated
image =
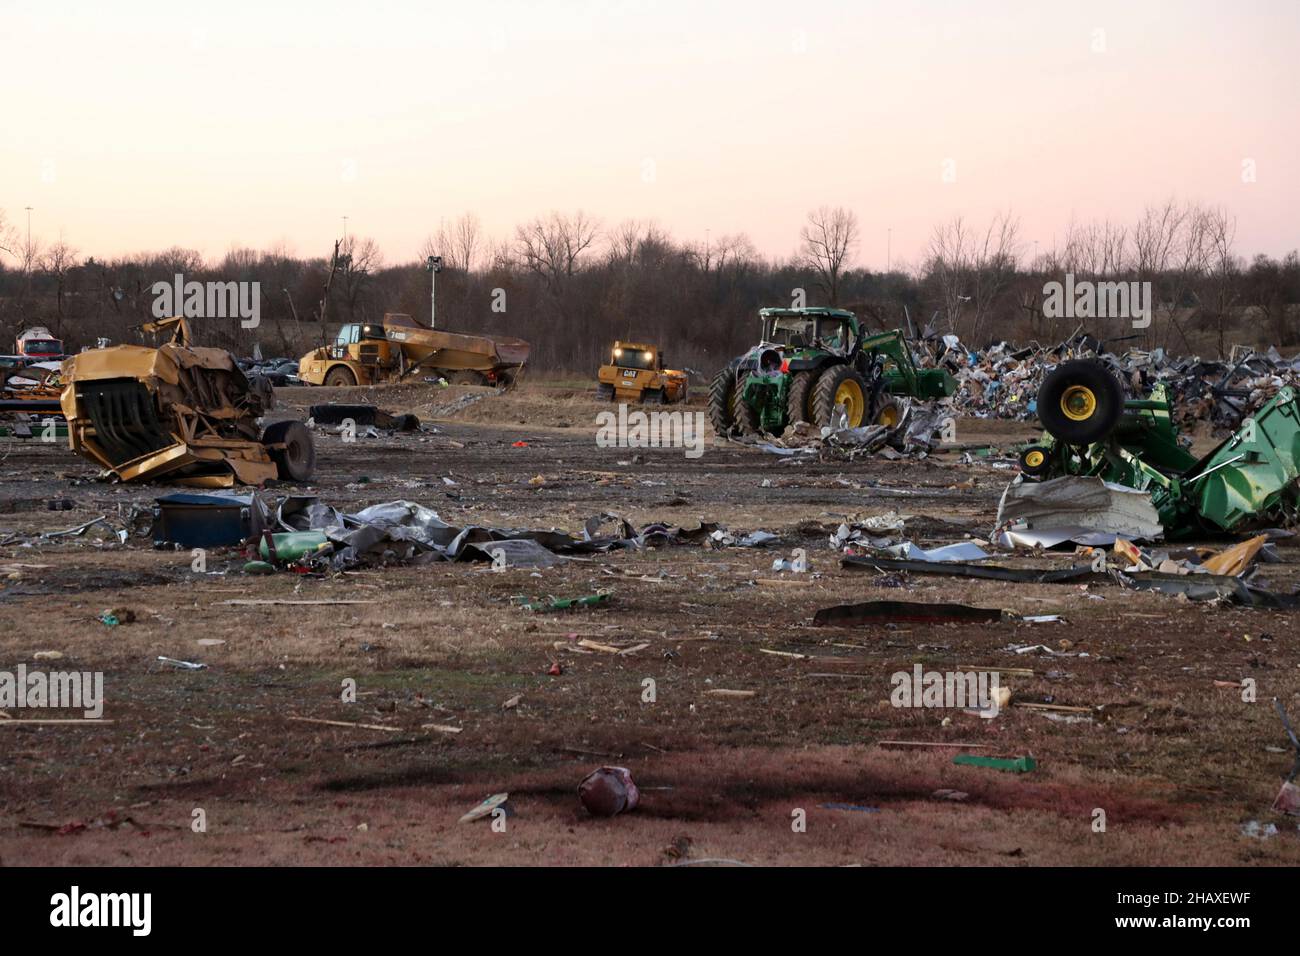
<point x="797" y="330"/>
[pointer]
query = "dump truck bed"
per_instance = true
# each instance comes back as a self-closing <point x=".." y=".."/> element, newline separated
<point x="457" y="349"/>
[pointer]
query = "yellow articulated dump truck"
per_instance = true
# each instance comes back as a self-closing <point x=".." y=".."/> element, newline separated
<point x="179" y="413"/>
<point x="636" y="373"/>
<point x="400" y="348"/>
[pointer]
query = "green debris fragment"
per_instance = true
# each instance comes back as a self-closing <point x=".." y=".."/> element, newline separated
<point x="293" y="545"/>
<point x="566" y="604"/>
<point x="1014" y="765"/>
<point x="109" y="620"/>
<point x="259" y="567"/>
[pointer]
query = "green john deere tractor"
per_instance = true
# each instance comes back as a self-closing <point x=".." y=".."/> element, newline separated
<point x="1093" y="430"/>
<point x="808" y="362"/>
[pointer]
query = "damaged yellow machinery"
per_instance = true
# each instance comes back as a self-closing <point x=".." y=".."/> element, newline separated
<point x="179" y="413"/>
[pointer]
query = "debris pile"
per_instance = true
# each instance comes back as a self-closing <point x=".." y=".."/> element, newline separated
<point x="1002" y="381"/>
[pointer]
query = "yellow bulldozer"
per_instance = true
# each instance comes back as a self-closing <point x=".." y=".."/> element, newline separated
<point x="636" y="373"/>
<point x="399" y="348"/>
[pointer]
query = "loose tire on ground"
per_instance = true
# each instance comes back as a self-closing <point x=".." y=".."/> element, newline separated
<point x="296" y="461"/>
<point x="840" y="385"/>
<point x="1080" y="402"/>
<point x="340" y="376"/>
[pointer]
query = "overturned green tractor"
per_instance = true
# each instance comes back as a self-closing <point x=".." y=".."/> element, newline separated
<point x="811" y="361"/>
<point x="1252" y="477"/>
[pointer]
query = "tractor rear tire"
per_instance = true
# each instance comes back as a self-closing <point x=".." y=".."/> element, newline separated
<point x="296" y="461"/>
<point x="840" y="385"/>
<point x="1080" y="402"/>
<point x="796" y="402"/>
<point x="340" y="376"/>
<point x="746" y="418"/>
<point x="720" y="390"/>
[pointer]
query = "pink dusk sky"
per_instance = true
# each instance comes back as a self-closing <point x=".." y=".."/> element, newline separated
<point x="141" y="125"/>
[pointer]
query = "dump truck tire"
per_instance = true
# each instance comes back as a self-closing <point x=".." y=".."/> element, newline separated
<point x="1080" y="402"/>
<point x="797" y="406"/>
<point x="840" y="385"/>
<point x="340" y="376"/>
<point x="1035" y="461"/>
<point x="720" y="401"/>
<point x="296" y="461"/>
<point x="604" y="392"/>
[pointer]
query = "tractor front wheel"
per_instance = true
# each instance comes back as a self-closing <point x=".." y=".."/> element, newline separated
<point x="841" y="385"/>
<point x="1035" y="461"/>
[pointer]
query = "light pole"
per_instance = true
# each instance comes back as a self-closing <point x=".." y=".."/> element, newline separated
<point x="345" y="230"/>
<point x="889" y="247"/>
<point x="434" y="265"/>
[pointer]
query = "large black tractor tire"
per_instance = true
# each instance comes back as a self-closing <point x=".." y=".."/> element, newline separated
<point x="840" y="385"/>
<point x="797" y="406"/>
<point x="296" y="461"/>
<point x="746" y="418"/>
<point x="604" y="392"/>
<point x="720" y="402"/>
<point x="340" y="376"/>
<point x="1080" y="402"/>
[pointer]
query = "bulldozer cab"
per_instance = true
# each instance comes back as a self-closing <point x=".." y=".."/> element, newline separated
<point x="637" y="356"/>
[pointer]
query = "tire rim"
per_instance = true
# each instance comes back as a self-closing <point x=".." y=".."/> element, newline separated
<point x="1035" y="459"/>
<point x="1078" y="403"/>
<point x="888" y="416"/>
<point x="849" y="394"/>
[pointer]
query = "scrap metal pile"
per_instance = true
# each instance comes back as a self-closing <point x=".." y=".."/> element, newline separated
<point x="1002" y="381"/>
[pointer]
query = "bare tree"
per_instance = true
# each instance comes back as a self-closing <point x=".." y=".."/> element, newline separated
<point x="459" y="244"/>
<point x="949" y="266"/>
<point x="828" y="238"/>
<point x="8" y="235"/>
<point x="552" y="246"/>
<point x="57" y="262"/>
<point x="1223" y="273"/>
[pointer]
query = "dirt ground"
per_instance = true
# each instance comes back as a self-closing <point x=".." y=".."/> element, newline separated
<point x="794" y="773"/>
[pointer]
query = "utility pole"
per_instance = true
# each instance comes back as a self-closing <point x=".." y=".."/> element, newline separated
<point x="345" y="229"/>
<point x="434" y="265"/>
<point x="889" y="247"/>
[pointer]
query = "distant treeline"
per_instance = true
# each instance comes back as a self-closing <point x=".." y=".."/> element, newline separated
<point x="570" y="287"/>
